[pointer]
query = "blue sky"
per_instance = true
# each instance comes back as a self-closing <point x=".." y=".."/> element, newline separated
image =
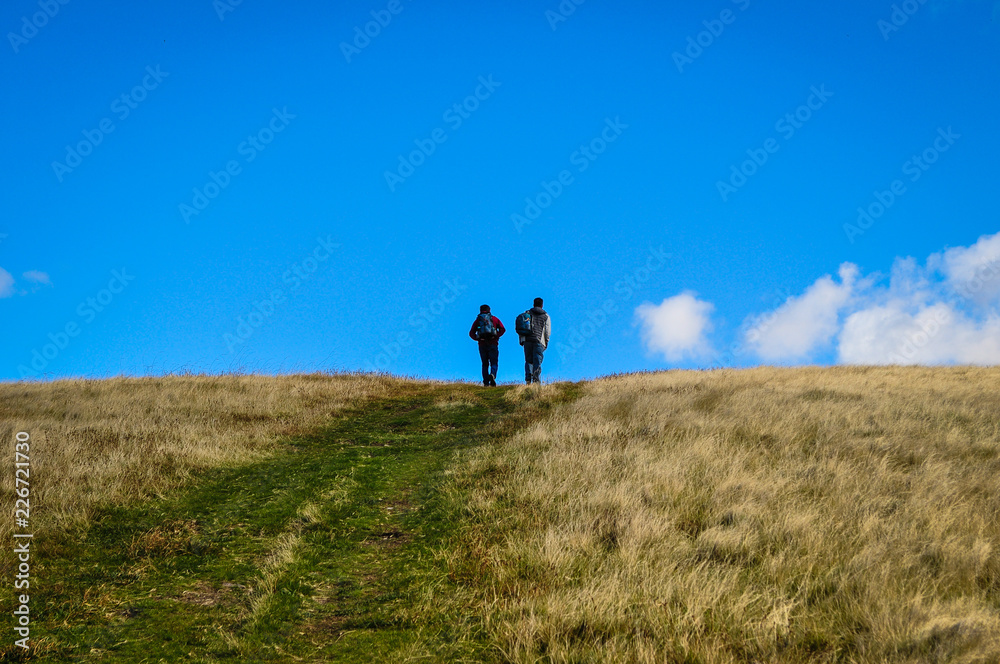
<point x="214" y="187"/>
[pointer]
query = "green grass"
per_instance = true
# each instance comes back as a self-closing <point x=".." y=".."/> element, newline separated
<point x="323" y="552"/>
<point x="793" y="515"/>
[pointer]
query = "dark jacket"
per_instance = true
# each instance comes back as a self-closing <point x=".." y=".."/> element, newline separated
<point x="541" y="327"/>
<point x="487" y="342"/>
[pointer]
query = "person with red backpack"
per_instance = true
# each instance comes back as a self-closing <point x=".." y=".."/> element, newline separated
<point x="487" y="330"/>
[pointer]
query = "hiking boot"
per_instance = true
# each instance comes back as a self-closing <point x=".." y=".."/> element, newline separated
<point x="493" y="381"/>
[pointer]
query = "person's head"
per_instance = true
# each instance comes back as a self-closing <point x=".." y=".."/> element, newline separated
<point x="538" y="302"/>
<point x="484" y="308"/>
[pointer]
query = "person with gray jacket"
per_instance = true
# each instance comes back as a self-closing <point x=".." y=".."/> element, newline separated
<point x="536" y="342"/>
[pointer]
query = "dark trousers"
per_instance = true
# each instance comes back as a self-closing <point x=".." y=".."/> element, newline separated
<point x="533" y="361"/>
<point x="490" y="355"/>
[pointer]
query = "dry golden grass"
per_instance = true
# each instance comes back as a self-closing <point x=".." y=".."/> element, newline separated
<point x="793" y="515"/>
<point x="123" y="439"/>
<point x="766" y="515"/>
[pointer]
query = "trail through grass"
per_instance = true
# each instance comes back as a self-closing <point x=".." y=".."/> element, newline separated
<point x="841" y="515"/>
<point x="321" y="552"/>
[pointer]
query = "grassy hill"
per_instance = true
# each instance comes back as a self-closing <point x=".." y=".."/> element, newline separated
<point x="793" y="515"/>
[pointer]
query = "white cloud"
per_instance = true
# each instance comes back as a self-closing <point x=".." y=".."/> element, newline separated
<point x="677" y="327"/>
<point x="37" y="277"/>
<point x="944" y="312"/>
<point x="6" y="283"/>
<point x="971" y="271"/>
<point x="938" y="334"/>
<point x="891" y="335"/>
<point x="803" y="324"/>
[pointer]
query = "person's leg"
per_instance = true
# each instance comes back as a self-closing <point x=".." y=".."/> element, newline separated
<point x="536" y="376"/>
<point x="529" y="358"/>
<point x="484" y="355"/>
<point x="494" y="364"/>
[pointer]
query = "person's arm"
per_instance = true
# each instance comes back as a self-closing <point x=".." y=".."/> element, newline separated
<point x="500" y="328"/>
<point x="472" y="332"/>
<point x="548" y="331"/>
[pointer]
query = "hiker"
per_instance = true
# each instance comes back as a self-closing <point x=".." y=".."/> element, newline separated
<point x="487" y="330"/>
<point x="533" y="330"/>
